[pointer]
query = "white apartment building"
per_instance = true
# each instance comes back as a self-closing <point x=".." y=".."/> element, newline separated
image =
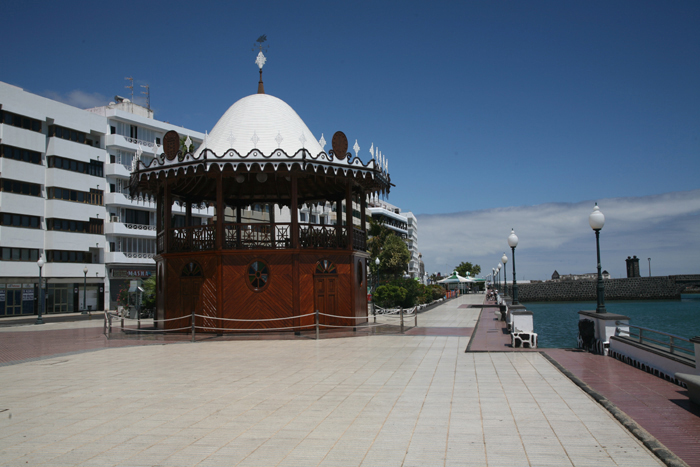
<point x="405" y="225"/>
<point x="64" y="197"/>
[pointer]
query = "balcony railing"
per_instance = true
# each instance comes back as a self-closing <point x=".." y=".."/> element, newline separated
<point x="322" y="236"/>
<point x="193" y="238"/>
<point x="239" y="236"/>
<point x="257" y="236"/>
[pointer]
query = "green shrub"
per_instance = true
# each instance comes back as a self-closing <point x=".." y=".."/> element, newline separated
<point x="389" y="296"/>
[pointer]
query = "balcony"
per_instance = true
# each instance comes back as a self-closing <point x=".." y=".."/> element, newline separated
<point x="130" y="230"/>
<point x="131" y="144"/>
<point x="121" y="199"/>
<point x="260" y="236"/>
<point x="118" y="170"/>
<point x="112" y="257"/>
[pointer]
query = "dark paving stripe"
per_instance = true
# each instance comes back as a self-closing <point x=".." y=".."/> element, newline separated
<point x="440" y="331"/>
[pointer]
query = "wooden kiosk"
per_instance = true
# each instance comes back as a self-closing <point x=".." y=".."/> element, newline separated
<point x="260" y="153"/>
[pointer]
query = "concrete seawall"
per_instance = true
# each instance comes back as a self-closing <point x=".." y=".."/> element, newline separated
<point x="636" y="288"/>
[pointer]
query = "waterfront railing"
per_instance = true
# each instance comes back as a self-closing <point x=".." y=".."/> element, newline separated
<point x="675" y="345"/>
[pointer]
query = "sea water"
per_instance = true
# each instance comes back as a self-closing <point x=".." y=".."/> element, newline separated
<point x="556" y="323"/>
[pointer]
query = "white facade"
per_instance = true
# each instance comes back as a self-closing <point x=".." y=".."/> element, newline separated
<point x="64" y="196"/>
<point x="405" y="225"/>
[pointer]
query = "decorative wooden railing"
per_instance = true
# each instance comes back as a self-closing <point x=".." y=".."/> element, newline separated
<point x="257" y="236"/>
<point x="193" y="238"/>
<point x="240" y="236"/>
<point x="160" y="242"/>
<point x="359" y="240"/>
<point x="322" y="236"/>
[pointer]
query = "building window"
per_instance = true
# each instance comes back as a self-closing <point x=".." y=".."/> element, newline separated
<point x="302" y="217"/>
<point x="68" y="256"/>
<point x="135" y="216"/>
<point x="258" y="275"/>
<point x="20" y="121"/>
<point x="93" y="197"/>
<point x="94" y="167"/>
<point x="68" y="134"/>
<point x="20" y="220"/>
<point x="20" y="188"/>
<point x="326" y="267"/>
<point x="93" y="226"/>
<point x="192" y="269"/>
<point x="18" y="154"/>
<point x="19" y="254"/>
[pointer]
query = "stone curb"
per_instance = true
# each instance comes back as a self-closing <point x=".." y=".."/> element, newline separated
<point x="649" y="441"/>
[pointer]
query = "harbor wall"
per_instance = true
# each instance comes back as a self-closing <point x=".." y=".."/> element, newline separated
<point x="634" y="288"/>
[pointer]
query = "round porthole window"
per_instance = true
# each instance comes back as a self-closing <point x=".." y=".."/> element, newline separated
<point x="258" y="275"/>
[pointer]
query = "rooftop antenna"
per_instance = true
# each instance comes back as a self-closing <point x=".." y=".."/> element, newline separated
<point x="147" y="92"/>
<point x="130" y="86"/>
<point x="260" y="60"/>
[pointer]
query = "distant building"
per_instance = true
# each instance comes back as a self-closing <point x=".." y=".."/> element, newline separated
<point x="405" y="225"/>
<point x="556" y="277"/>
<point x="632" y="266"/>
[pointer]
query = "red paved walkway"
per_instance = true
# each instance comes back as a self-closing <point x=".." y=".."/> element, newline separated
<point x="23" y="345"/>
<point x="660" y="407"/>
<point x="490" y="334"/>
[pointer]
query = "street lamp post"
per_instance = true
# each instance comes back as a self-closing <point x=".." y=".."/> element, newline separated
<point x="493" y="278"/>
<point x="498" y="271"/>
<point x="40" y="263"/>
<point x="85" y="271"/>
<point x="504" y="260"/>
<point x="649" y="266"/>
<point x="513" y="242"/>
<point x="597" y="220"/>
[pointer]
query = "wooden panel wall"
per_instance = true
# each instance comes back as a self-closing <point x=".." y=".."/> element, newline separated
<point x="223" y="290"/>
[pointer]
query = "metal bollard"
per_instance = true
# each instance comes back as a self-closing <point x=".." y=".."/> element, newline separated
<point x="192" y="325"/>
<point x="104" y="326"/>
<point x="316" y="317"/>
<point x="138" y="315"/>
<point x="415" y="316"/>
<point x="110" y="325"/>
<point x="401" y="313"/>
<point x="374" y="311"/>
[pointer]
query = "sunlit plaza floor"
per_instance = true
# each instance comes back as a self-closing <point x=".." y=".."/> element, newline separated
<point x="377" y="400"/>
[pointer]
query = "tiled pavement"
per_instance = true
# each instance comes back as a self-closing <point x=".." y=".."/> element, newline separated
<point x="380" y="400"/>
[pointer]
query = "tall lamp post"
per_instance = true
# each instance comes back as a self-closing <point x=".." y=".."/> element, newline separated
<point x="649" y="266"/>
<point x="40" y="263"/>
<point x="85" y="271"/>
<point x="493" y="278"/>
<point x="504" y="260"/>
<point x="513" y="242"/>
<point x="597" y="220"/>
<point x="498" y="271"/>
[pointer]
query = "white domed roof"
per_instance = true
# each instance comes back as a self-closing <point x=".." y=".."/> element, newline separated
<point x="261" y="122"/>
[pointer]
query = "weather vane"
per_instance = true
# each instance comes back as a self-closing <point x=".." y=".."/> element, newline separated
<point x="260" y="60"/>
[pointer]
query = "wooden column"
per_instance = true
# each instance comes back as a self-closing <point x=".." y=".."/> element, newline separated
<point x="294" y="207"/>
<point x="339" y="220"/>
<point x="188" y="223"/>
<point x="348" y="213"/>
<point x="220" y="213"/>
<point x="168" y="205"/>
<point x="238" y="227"/>
<point x="363" y="215"/>
<point x="273" y="230"/>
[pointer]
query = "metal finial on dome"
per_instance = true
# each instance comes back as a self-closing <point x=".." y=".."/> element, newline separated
<point x="260" y="59"/>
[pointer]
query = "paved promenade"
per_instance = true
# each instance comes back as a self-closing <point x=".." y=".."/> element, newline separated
<point x="374" y="400"/>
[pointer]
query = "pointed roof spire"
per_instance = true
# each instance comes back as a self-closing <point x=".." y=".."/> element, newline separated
<point x="260" y="60"/>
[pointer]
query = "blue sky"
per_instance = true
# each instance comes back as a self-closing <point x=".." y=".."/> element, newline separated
<point x="479" y="106"/>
